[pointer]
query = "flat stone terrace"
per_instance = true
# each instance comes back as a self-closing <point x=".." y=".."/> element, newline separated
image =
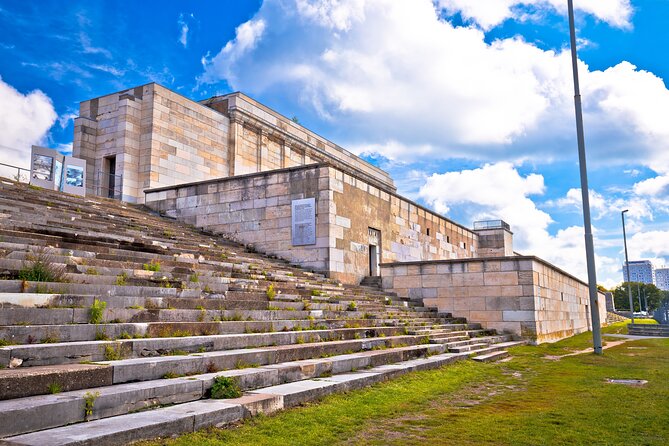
<point x="126" y="342"/>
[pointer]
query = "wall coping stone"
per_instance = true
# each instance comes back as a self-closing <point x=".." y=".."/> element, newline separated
<point x="484" y="259"/>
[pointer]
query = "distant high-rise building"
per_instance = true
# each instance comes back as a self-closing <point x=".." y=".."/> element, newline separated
<point x="662" y="278"/>
<point x="639" y="271"/>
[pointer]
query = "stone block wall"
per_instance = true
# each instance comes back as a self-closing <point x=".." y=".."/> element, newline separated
<point x="159" y="138"/>
<point x="409" y="232"/>
<point x="255" y="209"/>
<point x="188" y="142"/>
<point x="522" y="295"/>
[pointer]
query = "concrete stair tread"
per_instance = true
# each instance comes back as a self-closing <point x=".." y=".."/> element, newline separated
<point x="491" y="356"/>
<point x="190" y="416"/>
<point x="499" y="346"/>
<point x="77" y="351"/>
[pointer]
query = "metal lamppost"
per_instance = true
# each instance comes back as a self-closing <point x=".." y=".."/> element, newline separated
<point x="589" y="245"/>
<point x="627" y="264"/>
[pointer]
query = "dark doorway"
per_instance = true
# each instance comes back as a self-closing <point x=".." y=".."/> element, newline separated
<point x="110" y="174"/>
<point x="373" y="260"/>
<point x="374" y="251"/>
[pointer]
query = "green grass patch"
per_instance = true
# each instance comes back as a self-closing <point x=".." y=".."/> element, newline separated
<point x="532" y="399"/>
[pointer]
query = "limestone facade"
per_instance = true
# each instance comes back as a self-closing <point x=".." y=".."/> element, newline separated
<point x="520" y="294"/>
<point x="150" y="137"/>
<point x="256" y="209"/>
<point x="153" y="137"/>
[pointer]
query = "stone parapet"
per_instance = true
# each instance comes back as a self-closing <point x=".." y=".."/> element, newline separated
<point x="523" y="295"/>
<point x="255" y="209"/>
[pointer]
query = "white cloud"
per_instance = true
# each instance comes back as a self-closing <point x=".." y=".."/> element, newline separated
<point x="657" y="186"/>
<point x="498" y="191"/>
<point x="65" y="149"/>
<point x="490" y="192"/>
<point x="114" y="71"/>
<point x="25" y="119"/>
<point x="65" y="118"/>
<point x="183" y="30"/>
<point x="332" y="13"/>
<point x="649" y="244"/>
<point x="490" y="13"/>
<point x="89" y="48"/>
<point x="398" y="77"/>
<point x="639" y="208"/>
<point x="221" y="66"/>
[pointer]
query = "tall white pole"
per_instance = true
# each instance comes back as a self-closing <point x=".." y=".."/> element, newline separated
<point x="589" y="245"/>
<point x="627" y="264"/>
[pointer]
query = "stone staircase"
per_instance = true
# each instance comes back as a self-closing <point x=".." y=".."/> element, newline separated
<point x="136" y="317"/>
<point x="648" y="330"/>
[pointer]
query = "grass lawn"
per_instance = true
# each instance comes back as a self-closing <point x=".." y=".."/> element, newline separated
<point x="533" y="399"/>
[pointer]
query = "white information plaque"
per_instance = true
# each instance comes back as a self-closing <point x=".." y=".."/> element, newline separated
<point x="303" y="214"/>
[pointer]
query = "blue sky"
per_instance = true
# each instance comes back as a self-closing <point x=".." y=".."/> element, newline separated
<point x="468" y="104"/>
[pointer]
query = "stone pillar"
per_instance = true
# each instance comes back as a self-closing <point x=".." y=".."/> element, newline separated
<point x="610" y="304"/>
<point x="495" y="239"/>
<point x="234" y="140"/>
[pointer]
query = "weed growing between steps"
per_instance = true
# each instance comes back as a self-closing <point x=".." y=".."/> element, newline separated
<point x="528" y="400"/>
<point x="154" y="266"/>
<point x="41" y="267"/>
<point x="122" y="279"/>
<point x="55" y="388"/>
<point x="224" y="388"/>
<point x="89" y="403"/>
<point x="96" y="312"/>
<point x="271" y="292"/>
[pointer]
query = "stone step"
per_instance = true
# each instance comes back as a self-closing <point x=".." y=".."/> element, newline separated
<point x="31" y="355"/>
<point x="28" y="382"/>
<point x="492" y="356"/>
<point x="498" y="346"/>
<point x="61" y="316"/>
<point x="467" y="347"/>
<point x="124" y="398"/>
<point x="142" y="369"/>
<point x="196" y="415"/>
<point x="18" y="383"/>
<point x="31" y="334"/>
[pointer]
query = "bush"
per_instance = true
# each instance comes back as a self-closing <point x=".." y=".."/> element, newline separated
<point x="224" y="388"/>
<point x="96" y="312"/>
<point x="42" y="268"/>
<point x="352" y="306"/>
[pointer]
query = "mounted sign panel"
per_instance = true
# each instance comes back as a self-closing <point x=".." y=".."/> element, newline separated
<point x="51" y="169"/>
<point x="303" y="213"/>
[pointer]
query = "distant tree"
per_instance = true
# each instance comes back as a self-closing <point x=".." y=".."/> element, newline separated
<point x="602" y="288"/>
<point x="649" y="292"/>
<point x="665" y="297"/>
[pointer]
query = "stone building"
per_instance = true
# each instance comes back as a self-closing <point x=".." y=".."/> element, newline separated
<point x="236" y="167"/>
<point x="149" y="137"/>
